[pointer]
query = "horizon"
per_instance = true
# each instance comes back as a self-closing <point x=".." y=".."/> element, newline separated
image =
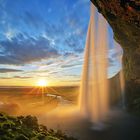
<point x="39" y="86"/>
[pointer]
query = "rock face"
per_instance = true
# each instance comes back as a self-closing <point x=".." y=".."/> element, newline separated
<point x="124" y="18"/>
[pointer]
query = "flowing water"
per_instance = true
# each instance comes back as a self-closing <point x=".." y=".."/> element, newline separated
<point x="94" y="102"/>
<point x="122" y="85"/>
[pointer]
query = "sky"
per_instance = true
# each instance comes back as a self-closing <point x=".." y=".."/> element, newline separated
<point x="43" y="39"/>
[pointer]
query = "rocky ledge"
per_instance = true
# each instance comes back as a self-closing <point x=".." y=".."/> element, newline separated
<point x="124" y="18"/>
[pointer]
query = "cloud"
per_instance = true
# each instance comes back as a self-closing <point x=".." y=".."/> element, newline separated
<point x="17" y="77"/>
<point x="70" y="65"/>
<point x="67" y="66"/>
<point x="72" y="81"/>
<point x="6" y="70"/>
<point x="10" y="33"/>
<point x="22" y="77"/>
<point x="75" y="43"/>
<point x="54" y="30"/>
<point x="19" y="50"/>
<point x="33" y="19"/>
<point x="41" y="37"/>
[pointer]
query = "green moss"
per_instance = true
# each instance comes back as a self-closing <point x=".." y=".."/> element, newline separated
<point x="27" y="128"/>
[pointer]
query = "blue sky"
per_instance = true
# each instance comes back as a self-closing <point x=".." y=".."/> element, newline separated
<point x="46" y="39"/>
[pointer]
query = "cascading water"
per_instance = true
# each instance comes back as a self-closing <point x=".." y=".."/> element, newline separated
<point x="94" y="87"/>
<point x="122" y="85"/>
<point x="94" y="90"/>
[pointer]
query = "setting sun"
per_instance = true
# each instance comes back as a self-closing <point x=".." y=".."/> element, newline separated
<point x="42" y="83"/>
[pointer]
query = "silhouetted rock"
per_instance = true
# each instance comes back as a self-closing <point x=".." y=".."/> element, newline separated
<point x="124" y="18"/>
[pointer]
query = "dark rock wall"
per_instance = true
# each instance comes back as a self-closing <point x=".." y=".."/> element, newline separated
<point x="124" y="18"/>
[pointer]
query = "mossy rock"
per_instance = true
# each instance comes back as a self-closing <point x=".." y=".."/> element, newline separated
<point x="27" y="128"/>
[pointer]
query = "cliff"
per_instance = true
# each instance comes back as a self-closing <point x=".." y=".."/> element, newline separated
<point x="124" y="18"/>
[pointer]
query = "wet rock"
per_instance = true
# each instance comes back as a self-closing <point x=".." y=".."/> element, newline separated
<point x="124" y="18"/>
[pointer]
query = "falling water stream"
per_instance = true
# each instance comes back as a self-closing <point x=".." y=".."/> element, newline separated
<point x="94" y="88"/>
<point x="122" y="85"/>
<point x="94" y="91"/>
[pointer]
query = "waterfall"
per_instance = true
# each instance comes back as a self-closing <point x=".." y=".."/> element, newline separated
<point x="122" y="85"/>
<point x="94" y="96"/>
<point x="94" y="90"/>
